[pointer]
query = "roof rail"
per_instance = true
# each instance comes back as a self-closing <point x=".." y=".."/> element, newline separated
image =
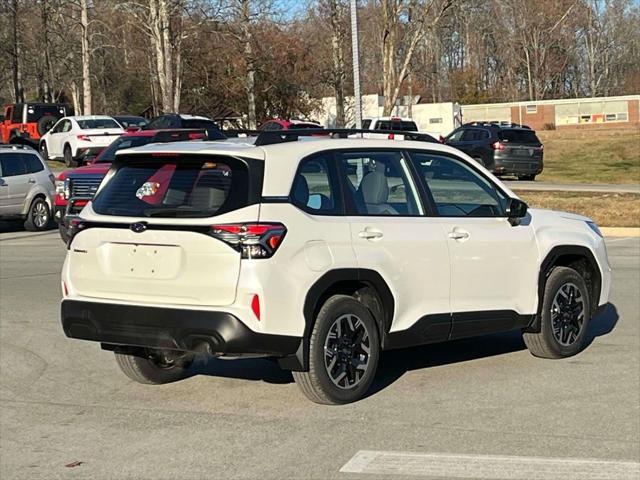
<point x="281" y="136"/>
<point x="496" y="123"/>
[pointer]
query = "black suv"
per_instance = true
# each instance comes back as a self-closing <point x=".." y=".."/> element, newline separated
<point x="503" y="148"/>
<point x="172" y="121"/>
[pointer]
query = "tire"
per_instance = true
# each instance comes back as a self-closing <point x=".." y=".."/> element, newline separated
<point x="39" y="216"/>
<point x="546" y="344"/>
<point x="319" y="383"/>
<point x="44" y="151"/>
<point x="155" y="367"/>
<point x="529" y="178"/>
<point x="68" y="157"/>
<point x="64" y="233"/>
<point x="45" y="124"/>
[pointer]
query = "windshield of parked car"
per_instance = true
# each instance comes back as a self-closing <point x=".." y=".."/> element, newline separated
<point x="132" y="121"/>
<point x="175" y="188"/>
<point x="97" y="123"/>
<point x="518" y="136"/>
<point x="405" y="126"/>
<point x="120" y="143"/>
<point x="36" y="112"/>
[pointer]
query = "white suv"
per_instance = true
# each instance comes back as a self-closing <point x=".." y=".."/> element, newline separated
<point x="322" y="253"/>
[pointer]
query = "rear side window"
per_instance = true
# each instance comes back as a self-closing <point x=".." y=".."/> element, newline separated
<point x="179" y="187"/>
<point x="314" y="189"/>
<point x="518" y="136"/>
<point x="13" y="164"/>
<point x="33" y="163"/>
<point x="197" y="123"/>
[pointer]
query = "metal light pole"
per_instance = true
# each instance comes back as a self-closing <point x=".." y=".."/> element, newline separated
<point x="356" y="62"/>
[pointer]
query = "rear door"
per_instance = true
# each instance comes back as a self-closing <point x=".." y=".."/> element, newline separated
<point x="160" y="249"/>
<point x="14" y="183"/>
<point x="56" y="137"/>
<point x="392" y="235"/>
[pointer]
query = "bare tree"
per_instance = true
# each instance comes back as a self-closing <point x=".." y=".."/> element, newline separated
<point x="402" y="38"/>
<point x="18" y="88"/>
<point x="337" y="16"/>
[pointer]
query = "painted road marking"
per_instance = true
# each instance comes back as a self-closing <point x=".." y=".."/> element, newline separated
<point x="485" y="467"/>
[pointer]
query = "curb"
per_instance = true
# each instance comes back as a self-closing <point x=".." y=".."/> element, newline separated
<point x="620" y="231"/>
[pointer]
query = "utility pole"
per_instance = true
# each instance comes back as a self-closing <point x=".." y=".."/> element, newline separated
<point x="356" y="63"/>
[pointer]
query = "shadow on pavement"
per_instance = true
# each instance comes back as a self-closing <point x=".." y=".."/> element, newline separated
<point x="395" y="363"/>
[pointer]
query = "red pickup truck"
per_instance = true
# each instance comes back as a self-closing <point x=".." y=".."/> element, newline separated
<point x="25" y="123"/>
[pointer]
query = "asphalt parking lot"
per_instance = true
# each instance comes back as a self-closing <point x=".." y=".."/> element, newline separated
<point x="64" y="402"/>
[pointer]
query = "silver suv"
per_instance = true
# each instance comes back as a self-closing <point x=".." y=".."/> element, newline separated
<point x="27" y="187"/>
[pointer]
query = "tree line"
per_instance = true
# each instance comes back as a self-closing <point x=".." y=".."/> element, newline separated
<point x="275" y="58"/>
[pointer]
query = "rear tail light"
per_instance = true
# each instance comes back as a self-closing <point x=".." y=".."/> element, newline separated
<point x="391" y="136"/>
<point x="498" y="146"/>
<point x="84" y="138"/>
<point x="441" y="139"/>
<point x="252" y="240"/>
<point x="75" y="226"/>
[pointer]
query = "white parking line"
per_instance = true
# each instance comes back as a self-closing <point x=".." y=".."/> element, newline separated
<point x="484" y="467"/>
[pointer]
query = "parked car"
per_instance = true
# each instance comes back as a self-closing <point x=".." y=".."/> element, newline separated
<point x="298" y="250"/>
<point x="75" y="139"/>
<point x="503" y="148"/>
<point x="131" y="122"/>
<point x="75" y="187"/>
<point x="279" y="124"/>
<point x="26" y="123"/>
<point x="180" y="121"/>
<point x="26" y="187"/>
<point x="389" y="123"/>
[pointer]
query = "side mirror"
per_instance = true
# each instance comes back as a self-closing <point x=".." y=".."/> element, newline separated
<point x="516" y="209"/>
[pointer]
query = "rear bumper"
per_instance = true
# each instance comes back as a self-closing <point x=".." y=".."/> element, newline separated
<point x="178" y="329"/>
<point x="518" y="165"/>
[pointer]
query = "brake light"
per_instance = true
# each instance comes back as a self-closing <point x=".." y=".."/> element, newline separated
<point x="84" y="138"/>
<point x="391" y="136"/>
<point x="75" y="226"/>
<point x="441" y="139"/>
<point x="498" y="146"/>
<point x="252" y="240"/>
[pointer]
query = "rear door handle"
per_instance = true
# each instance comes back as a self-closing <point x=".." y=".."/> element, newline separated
<point x="370" y="234"/>
<point x="31" y="180"/>
<point x="459" y="235"/>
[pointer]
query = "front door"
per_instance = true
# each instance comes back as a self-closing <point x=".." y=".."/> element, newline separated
<point x="392" y="236"/>
<point x="494" y="274"/>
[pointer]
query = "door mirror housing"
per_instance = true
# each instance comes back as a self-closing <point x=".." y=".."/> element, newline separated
<point x="516" y="209"/>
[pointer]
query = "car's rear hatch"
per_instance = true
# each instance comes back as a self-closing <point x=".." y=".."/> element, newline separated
<point x="101" y="137"/>
<point x="520" y="144"/>
<point x="146" y="235"/>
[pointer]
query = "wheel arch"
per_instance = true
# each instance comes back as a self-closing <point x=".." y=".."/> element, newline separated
<point x="365" y="285"/>
<point x="33" y="195"/>
<point x="581" y="259"/>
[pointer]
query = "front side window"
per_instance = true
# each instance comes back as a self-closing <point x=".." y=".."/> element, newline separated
<point x="12" y="164"/>
<point x="455" y="136"/>
<point x="175" y="188"/>
<point x="314" y="189"/>
<point x="16" y="116"/>
<point x="379" y="184"/>
<point x="457" y="189"/>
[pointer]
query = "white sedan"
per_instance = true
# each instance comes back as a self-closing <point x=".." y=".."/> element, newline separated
<point x="74" y="139"/>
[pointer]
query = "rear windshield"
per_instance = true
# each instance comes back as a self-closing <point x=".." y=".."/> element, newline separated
<point x="132" y="121"/>
<point x="175" y="188"/>
<point x="518" y="136"/>
<point x="36" y="112"/>
<point x="405" y="126"/>
<point x="120" y="143"/>
<point x="98" y="123"/>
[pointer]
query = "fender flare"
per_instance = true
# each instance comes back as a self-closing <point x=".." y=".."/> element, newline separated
<point x="317" y="294"/>
<point x="545" y="269"/>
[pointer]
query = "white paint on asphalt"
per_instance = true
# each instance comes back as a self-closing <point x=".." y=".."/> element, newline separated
<point x="485" y="467"/>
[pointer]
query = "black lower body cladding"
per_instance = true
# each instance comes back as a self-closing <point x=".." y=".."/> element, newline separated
<point x="169" y="328"/>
